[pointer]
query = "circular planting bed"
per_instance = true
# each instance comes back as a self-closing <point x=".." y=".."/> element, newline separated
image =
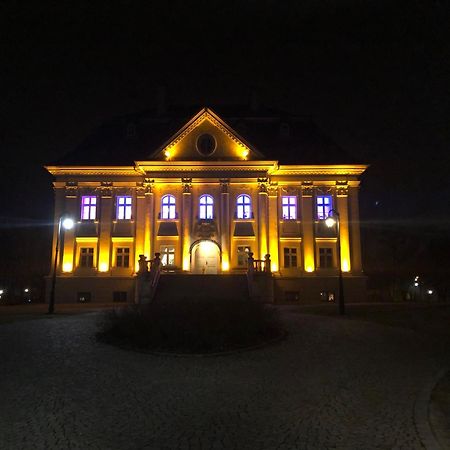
<point x="191" y="326"/>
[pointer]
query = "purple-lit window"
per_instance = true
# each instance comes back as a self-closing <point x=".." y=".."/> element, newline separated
<point x="244" y="207"/>
<point x="168" y="207"/>
<point x="124" y="204"/>
<point x="206" y="210"/>
<point x="324" y="206"/>
<point x="289" y="207"/>
<point x="88" y="207"/>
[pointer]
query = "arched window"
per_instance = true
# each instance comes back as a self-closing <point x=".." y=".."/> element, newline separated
<point x="244" y="207"/>
<point x="206" y="207"/>
<point x="168" y="207"/>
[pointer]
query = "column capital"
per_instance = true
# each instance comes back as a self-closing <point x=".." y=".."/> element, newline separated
<point x="307" y="188"/>
<point x="342" y="188"/>
<point x="148" y="185"/>
<point x="187" y="185"/>
<point x="71" y="189"/>
<point x="105" y="189"/>
<point x="224" y="185"/>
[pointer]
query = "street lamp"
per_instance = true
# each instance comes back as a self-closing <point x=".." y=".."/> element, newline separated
<point x="64" y="223"/>
<point x="332" y="220"/>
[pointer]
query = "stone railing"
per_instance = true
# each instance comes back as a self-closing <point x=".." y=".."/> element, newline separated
<point x="147" y="278"/>
<point x="259" y="278"/>
<point x="258" y="265"/>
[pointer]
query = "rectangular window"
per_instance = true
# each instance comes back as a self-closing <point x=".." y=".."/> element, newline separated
<point x="290" y="257"/>
<point x="242" y="255"/>
<point x="323" y="206"/>
<point x="325" y="257"/>
<point x="168" y="255"/>
<point x="123" y="207"/>
<point x="88" y="207"/>
<point x="83" y="297"/>
<point x="120" y="296"/>
<point x="289" y="207"/>
<point x="87" y="257"/>
<point x="123" y="257"/>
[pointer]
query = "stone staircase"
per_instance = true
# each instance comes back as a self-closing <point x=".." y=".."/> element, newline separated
<point x="215" y="287"/>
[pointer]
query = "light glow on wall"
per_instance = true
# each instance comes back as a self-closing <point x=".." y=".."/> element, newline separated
<point x="167" y="154"/>
<point x="245" y="153"/>
<point x="345" y="266"/>
<point x="274" y="267"/>
<point x="225" y="265"/>
<point x="103" y="267"/>
<point x="186" y="263"/>
<point x="67" y="267"/>
<point x="309" y="269"/>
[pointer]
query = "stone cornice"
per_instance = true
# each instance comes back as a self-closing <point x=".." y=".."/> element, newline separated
<point x="337" y="169"/>
<point x="92" y="170"/>
<point x="205" y="166"/>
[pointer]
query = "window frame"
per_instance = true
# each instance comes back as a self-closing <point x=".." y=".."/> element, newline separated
<point x="327" y="258"/>
<point x="206" y="209"/>
<point x="242" y="250"/>
<point x="290" y="257"/>
<point x="125" y="209"/>
<point x="167" y="253"/>
<point x="243" y="208"/>
<point x="87" y="257"/>
<point x="123" y="256"/>
<point x="88" y="209"/>
<point x="168" y="207"/>
<point x="323" y="209"/>
<point x="289" y="210"/>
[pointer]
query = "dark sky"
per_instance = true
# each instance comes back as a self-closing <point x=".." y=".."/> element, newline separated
<point x="373" y="74"/>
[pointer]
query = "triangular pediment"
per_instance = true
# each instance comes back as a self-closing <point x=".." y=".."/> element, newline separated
<point x="206" y="137"/>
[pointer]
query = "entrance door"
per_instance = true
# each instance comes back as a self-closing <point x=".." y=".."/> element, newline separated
<point x="206" y="258"/>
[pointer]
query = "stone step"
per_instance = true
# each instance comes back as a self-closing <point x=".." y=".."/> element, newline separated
<point x="178" y="286"/>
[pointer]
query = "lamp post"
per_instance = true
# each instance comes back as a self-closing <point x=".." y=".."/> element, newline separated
<point x="64" y="223"/>
<point x="332" y="220"/>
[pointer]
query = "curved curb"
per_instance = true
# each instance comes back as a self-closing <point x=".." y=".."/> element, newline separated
<point x="422" y="412"/>
<point x="275" y="340"/>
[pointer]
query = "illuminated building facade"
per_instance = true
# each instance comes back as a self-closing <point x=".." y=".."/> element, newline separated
<point x="204" y="199"/>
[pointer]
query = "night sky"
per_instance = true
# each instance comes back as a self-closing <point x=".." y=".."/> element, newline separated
<point x="374" y="75"/>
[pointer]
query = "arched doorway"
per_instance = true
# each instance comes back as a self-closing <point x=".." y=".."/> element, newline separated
<point x="205" y="257"/>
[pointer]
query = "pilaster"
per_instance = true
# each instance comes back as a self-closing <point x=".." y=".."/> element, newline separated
<point x="71" y="209"/>
<point x="273" y="226"/>
<point x="104" y="244"/>
<point x="263" y="210"/>
<point x="308" y="227"/>
<point x="342" y="206"/>
<point x="225" y="223"/>
<point x="186" y="223"/>
<point x="139" y="238"/>
<point x="355" y="229"/>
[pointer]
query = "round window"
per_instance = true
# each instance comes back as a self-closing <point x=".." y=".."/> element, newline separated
<point x="206" y="144"/>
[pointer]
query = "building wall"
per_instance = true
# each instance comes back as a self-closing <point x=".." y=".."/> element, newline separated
<point x="265" y="231"/>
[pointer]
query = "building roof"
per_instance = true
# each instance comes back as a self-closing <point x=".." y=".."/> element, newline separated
<point x="277" y="135"/>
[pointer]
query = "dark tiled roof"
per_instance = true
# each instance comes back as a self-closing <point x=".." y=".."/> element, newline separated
<point x="278" y="135"/>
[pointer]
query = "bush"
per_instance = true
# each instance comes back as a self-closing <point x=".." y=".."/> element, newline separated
<point x="191" y="325"/>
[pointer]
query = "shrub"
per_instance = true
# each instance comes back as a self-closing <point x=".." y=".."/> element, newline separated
<point x="191" y="325"/>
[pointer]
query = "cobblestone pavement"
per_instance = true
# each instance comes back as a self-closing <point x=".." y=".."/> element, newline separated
<point x="333" y="384"/>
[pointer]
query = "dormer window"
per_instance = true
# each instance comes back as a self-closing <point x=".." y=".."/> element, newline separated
<point x="206" y="144"/>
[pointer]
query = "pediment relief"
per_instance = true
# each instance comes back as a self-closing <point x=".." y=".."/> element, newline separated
<point x="206" y="137"/>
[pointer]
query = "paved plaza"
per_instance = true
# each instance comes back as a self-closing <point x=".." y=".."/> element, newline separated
<point x="333" y="383"/>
